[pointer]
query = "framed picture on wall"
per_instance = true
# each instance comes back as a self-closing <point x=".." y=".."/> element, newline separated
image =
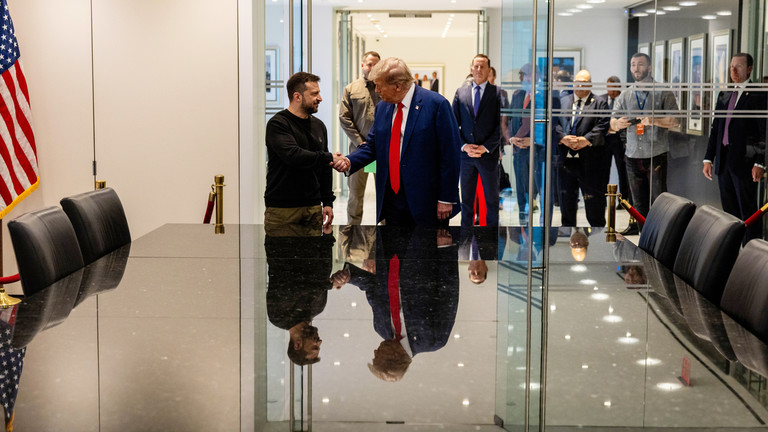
<point x="676" y="76"/>
<point x="659" y="56"/>
<point x="566" y="59"/>
<point x="272" y="67"/>
<point x="644" y="48"/>
<point x="721" y="56"/>
<point x="695" y="71"/>
<point x="425" y="72"/>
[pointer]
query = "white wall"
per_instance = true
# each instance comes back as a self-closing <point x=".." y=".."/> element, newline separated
<point x="604" y="51"/>
<point x="165" y="91"/>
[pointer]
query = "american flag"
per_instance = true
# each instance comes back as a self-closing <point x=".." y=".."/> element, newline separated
<point x="11" y="362"/>
<point x="18" y="170"/>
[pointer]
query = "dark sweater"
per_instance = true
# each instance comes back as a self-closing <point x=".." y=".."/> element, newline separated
<point x="298" y="170"/>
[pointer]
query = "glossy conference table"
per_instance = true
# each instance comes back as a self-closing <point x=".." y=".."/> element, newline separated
<point x="179" y="332"/>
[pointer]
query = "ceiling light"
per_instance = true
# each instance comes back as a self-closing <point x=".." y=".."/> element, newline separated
<point x="671" y="8"/>
<point x="584" y="6"/>
<point x="688" y="3"/>
<point x="640" y="14"/>
<point x="709" y="17"/>
<point x="660" y="13"/>
<point x="595" y="1"/>
<point x="575" y="10"/>
<point x="651" y="10"/>
<point x="724" y="13"/>
<point x="565" y="14"/>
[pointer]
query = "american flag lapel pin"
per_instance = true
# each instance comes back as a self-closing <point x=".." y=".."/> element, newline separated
<point x="417" y="107"/>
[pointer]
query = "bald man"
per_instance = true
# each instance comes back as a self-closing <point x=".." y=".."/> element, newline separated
<point x="582" y="155"/>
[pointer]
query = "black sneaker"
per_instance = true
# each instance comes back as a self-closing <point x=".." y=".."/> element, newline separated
<point x="632" y="229"/>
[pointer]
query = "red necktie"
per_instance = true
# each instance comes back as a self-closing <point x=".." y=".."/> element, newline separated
<point x="393" y="284"/>
<point x="394" y="150"/>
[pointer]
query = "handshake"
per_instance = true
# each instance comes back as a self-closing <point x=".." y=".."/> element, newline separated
<point x="340" y="163"/>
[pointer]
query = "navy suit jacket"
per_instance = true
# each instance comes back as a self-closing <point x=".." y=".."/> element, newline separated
<point x="483" y="129"/>
<point x="591" y="128"/>
<point x="746" y="136"/>
<point x="429" y="156"/>
<point x="518" y="123"/>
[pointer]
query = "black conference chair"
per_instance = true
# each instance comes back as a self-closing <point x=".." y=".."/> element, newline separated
<point x="99" y="222"/>
<point x="664" y="227"/>
<point x="708" y="250"/>
<point x="745" y="297"/>
<point x="46" y="248"/>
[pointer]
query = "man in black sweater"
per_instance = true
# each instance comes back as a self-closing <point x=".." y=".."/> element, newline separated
<point x="299" y="196"/>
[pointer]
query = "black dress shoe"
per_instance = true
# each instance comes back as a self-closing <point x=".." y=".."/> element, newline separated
<point x="619" y="206"/>
<point x="632" y="229"/>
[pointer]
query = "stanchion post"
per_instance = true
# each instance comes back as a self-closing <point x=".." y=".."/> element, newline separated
<point x="612" y="193"/>
<point x="100" y="184"/>
<point x="218" y="182"/>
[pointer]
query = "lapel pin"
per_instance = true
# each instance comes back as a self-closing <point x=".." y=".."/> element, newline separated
<point x="417" y="107"/>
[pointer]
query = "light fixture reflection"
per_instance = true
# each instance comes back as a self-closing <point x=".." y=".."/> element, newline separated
<point x="688" y="3"/>
<point x="607" y="404"/>
<point x="628" y="340"/>
<point x="566" y="14"/>
<point x="648" y="362"/>
<point x="613" y="319"/>
<point x="724" y="13"/>
<point x="578" y="268"/>
<point x="568" y="337"/>
<point x="595" y="1"/>
<point x="326" y="400"/>
<point x="465" y="402"/>
<point x="587" y="281"/>
<point x="671" y="8"/>
<point x="669" y="386"/>
<point x="600" y="296"/>
<point x="641" y="14"/>
<point x="709" y="17"/>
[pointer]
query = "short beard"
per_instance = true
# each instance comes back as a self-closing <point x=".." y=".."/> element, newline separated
<point x="642" y="78"/>
<point x="308" y="109"/>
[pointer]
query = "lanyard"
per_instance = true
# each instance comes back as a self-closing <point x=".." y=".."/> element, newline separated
<point x="641" y="106"/>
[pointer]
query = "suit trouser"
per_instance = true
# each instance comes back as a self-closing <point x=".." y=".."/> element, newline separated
<point x="616" y="148"/>
<point x="647" y="180"/>
<point x="487" y="167"/>
<point x="738" y="196"/>
<point x="356" y="183"/>
<point x="520" y="161"/>
<point x="585" y="173"/>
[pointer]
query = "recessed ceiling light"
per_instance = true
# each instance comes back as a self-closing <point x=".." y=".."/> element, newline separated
<point x="709" y="17"/>
<point x="651" y="10"/>
<point x="660" y="13"/>
<point x="584" y="6"/>
<point x="565" y="14"/>
<point x="671" y="8"/>
<point x="641" y="14"/>
<point x="688" y="3"/>
<point x="595" y="1"/>
<point x="574" y="10"/>
<point x="724" y="13"/>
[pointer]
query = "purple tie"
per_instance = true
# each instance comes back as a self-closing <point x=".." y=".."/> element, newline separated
<point x="476" y="104"/>
<point x="731" y="106"/>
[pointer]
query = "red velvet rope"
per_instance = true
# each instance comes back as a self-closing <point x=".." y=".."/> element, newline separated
<point x="633" y="212"/>
<point x="756" y="217"/>
<point x="9" y="279"/>
<point x="209" y="208"/>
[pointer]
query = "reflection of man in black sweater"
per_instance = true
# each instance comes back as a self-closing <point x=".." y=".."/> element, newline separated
<point x="299" y="270"/>
<point x="299" y="182"/>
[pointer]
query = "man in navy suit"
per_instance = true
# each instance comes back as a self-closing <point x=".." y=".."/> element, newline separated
<point x="478" y="111"/>
<point x="737" y="146"/>
<point x="415" y="143"/>
<point x="582" y="157"/>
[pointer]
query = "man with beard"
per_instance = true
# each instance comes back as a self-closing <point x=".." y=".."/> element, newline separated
<point x="647" y="136"/>
<point x="356" y="110"/>
<point x="299" y="191"/>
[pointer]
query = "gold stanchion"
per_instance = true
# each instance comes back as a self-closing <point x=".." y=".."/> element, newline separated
<point x="218" y="182"/>
<point x="100" y="184"/>
<point x="610" y="232"/>
<point x="7" y="301"/>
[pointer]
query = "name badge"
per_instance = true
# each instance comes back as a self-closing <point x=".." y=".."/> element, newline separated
<point x="640" y="129"/>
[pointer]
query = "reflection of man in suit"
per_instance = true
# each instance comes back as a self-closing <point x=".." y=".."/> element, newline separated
<point x="299" y="270"/>
<point x="737" y="146"/>
<point x="414" y="296"/>
<point x="478" y="109"/>
<point x="582" y="157"/>
<point x="615" y="141"/>
<point x="415" y="143"/>
<point x="435" y="87"/>
<point x="478" y="244"/>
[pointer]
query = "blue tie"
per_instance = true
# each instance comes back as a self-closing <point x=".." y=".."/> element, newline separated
<point x="477" y="99"/>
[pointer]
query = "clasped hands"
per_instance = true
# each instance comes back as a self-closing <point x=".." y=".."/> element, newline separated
<point x="574" y="142"/>
<point x="475" y="150"/>
<point x="522" y="143"/>
<point x="340" y="163"/>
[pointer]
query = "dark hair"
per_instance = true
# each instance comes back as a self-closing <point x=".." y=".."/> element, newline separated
<point x="643" y="55"/>
<point x="481" y="56"/>
<point x="372" y="53"/>
<point x="494" y="71"/>
<point x="750" y="60"/>
<point x="298" y="83"/>
<point x="613" y="79"/>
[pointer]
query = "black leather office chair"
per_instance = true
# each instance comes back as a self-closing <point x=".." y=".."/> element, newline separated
<point x="745" y="297"/>
<point x="46" y="248"/>
<point x="99" y="221"/>
<point x="664" y="227"/>
<point x="708" y="250"/>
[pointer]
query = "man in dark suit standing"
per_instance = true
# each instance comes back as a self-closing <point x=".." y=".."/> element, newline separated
<point x="737" y="145"/>
<point x="435" y="86"/>
<point x="478" y="111"/>
<point x="415" y="143"/>
<point x="582" y="157"/>
<point x="615" y="142"/>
